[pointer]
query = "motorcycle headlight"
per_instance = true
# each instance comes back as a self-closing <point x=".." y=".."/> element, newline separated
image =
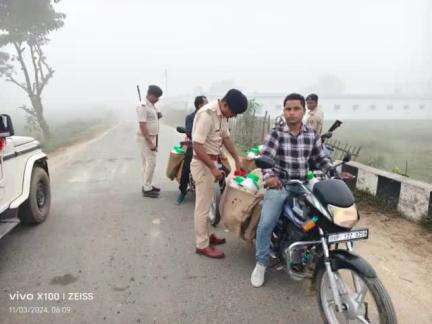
<point x="344" y="217"/>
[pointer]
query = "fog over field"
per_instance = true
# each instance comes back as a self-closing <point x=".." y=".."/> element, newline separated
<point x="106" y="47"/>
<point x="366" y="60"/>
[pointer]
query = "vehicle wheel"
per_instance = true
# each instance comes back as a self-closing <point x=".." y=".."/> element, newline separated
<point x="365" y="299"/>
<point x="214" y="214"/>
<point x="36" y="208"/>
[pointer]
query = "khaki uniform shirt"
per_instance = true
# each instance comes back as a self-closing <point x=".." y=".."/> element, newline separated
<point x="148" y="113"/>
<point x="210" y="127"/>
<point x="315" y="119"/>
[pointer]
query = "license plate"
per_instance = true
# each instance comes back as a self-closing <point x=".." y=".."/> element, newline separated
<point x="362" y="234"/>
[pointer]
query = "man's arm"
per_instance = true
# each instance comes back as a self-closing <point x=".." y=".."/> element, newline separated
<point x="318" y="156"/>
<point x="202" y="155"/>
<point x="229" y="144"/>
<point x="271" y="147"/>
<point x="146" y="135"/>
<point x="205" y="158"/>
<point x="201" y="129"/>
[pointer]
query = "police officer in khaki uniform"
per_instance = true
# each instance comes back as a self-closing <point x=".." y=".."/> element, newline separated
<point x="148" y="119"/>
<point x="314" y="117"/>
<point x="209" y="133"/>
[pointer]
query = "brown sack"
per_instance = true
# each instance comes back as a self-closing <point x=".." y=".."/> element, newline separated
<point x="179" y="172"/>
<point x="249" y="228"/>
<point x="235" y="208"/>
<point x="174" y="163"/>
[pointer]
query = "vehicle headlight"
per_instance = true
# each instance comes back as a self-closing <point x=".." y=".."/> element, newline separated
<point x="344" y="217"/>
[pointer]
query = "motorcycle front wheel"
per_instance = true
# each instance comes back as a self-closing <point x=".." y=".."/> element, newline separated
<point x="364" y="300"/>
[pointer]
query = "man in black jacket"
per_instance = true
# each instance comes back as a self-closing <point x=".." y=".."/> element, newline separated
<point x="184" y="180"/>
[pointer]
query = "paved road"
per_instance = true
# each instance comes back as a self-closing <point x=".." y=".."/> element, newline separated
<point x="134" y="254"/>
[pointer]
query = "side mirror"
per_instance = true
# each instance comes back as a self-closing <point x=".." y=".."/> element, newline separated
<point x="181" y="130"/>
<point x="279" y="121"/>
<point x="6" y="127"/>
<point x="347" y="158"/>
<point x="264" y="162"/>
<point x="326" y="136"/>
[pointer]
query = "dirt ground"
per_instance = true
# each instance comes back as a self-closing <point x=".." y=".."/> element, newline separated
<point x="401" y="253"/>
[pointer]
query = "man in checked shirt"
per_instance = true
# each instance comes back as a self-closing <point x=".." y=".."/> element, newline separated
<point x="292" y="146"/>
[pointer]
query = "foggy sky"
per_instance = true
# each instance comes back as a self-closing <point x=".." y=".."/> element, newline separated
<point x="108" y="46"/>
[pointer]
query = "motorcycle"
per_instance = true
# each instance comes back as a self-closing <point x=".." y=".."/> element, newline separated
<point x="314" y="239"/>
<point x="214" y="214"/>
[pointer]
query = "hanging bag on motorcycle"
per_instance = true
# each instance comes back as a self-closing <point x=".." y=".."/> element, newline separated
<point x="249" y="227"/>
<point x="175" y="159"/>
<point x="236" y="206"/>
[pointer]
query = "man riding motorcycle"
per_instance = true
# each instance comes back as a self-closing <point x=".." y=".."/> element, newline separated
<point x="184" y="180"/>
<point x="292" y="146"/>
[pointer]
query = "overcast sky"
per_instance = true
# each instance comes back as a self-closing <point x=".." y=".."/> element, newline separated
<point x="108" y="46"/>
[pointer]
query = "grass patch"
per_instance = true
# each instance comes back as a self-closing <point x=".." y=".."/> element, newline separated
<point x="70" y="132"/>
<point x="364" y="197"/>
<point x="391" y="144"/>
<point x="426" y="222"/>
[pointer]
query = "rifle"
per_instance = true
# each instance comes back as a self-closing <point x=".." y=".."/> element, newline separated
<point x="139" y="92"/>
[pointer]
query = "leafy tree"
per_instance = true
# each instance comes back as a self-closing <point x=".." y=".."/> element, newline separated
<point x="24" y="29"/>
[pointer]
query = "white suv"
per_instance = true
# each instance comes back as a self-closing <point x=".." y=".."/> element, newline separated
<point x="25" y="194"/>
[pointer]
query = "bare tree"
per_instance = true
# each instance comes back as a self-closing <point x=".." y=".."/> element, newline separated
<point x="24" y="29"/>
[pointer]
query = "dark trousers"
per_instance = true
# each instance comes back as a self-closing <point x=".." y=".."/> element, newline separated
<point x="184" y="180"/>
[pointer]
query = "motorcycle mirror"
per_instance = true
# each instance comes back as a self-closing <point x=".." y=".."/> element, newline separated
<point x="264" y="162"/>
<point x="181" y="130"/>
<point x="326" y="135"/>
<point x="347" y="158"/>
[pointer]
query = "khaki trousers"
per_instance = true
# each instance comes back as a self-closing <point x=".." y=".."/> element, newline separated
<point x="148" y="162"/>
<point x="204" y="190"/>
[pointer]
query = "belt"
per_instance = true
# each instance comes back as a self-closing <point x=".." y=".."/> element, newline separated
<point x="213" y="157"/>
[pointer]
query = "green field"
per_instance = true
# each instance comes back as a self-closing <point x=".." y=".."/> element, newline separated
<point x="65" y="129"/>
<point x="387" y="144"/>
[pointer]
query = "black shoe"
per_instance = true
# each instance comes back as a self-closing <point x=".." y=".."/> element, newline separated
<point x="150" y="193"/>
<point x="155" y="189"/>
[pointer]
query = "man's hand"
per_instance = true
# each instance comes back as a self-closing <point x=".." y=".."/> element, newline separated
<point x="152" y="146"/>
<point x="217" y="174"/>
<point x="274" y="183"/>
<point x="159" y="114"/>
<point x="239" y="163"/>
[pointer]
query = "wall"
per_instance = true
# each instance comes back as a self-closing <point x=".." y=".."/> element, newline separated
<point x="413" y="199"/>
